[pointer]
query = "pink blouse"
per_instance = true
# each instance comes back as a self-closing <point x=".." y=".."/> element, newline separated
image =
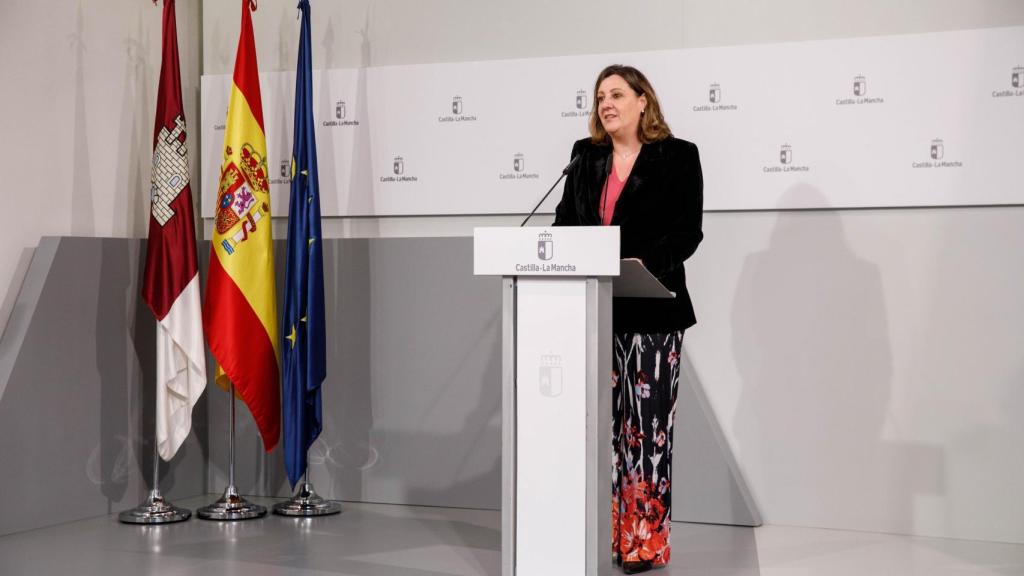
<point x="612" y="189"/>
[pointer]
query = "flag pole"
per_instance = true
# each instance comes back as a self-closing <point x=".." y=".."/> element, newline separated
<point x="306" y="502"/>
<point x="231" y="506"/>
<point x="154" y="509"/>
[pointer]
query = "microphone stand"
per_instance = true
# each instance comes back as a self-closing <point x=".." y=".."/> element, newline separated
<point x="565" y="171"/>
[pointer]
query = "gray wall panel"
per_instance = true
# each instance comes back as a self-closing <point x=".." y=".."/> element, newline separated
<point x="75" y="415"/>
<point x="412" y="398"/>
<point x="412" y="402"/>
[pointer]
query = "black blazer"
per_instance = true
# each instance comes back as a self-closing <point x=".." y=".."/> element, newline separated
<point x="659" y="215"/>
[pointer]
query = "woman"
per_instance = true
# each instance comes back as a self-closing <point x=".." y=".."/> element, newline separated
<point x="633" y="174"/>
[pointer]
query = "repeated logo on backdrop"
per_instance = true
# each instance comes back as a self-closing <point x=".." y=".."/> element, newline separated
<point x="285" y="173"/>
<point x="859" y="94"/>
<point x="786" y="162"/>
<point x="1016" y="85"/>
<point x="860" y="86"/>
<point x="844" y="116"/>
<point x="937" y="155"/>
<point x="455" y="113"/>
<point x="340" y="115"/>
<point x="220" y="126"/>
<point x="518" y="170"/>
<point x="398" y="172"/>
<point x="581" y="106"/>
<point x="716" y="102"/>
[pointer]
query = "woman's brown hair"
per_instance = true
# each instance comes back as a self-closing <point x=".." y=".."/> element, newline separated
<point x="652" y="126"/>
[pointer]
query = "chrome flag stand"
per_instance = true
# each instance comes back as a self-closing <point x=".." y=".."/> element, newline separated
<point x="306" y="501"/>
<point x="154" y="509"/>
<point x="231" y="506"/>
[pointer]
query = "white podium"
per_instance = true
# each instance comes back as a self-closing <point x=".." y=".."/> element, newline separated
<point x="557" y="286"/>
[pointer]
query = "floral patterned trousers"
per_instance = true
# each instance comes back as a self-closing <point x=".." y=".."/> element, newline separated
<point x="645" y="374"/>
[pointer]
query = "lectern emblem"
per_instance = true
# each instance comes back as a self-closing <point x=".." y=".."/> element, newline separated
<point x="399" y="166"/>
<point x="1017" y="79"/>
<point x="937" y="149"/>
<point x="786" y="154"/>
<point x="550" y="376"/>
<point x="518" y="163"/>
<point x="339" y="110"/>
<point x="457" y="105"/>
<point x="860" y="86"/>
<point x="545" y="246"/>
<point x="581" y="99"/>
<point x="715" y="93"/>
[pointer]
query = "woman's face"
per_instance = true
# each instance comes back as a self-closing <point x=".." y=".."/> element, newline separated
<point x="618" y="106"/>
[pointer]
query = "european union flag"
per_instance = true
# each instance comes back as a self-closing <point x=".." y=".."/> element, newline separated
<point x="304" y="349"/>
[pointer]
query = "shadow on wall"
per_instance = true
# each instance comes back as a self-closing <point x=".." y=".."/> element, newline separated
<point x="469" y="449"/>
<point x="71" y="422"/>
<point x="118" y="373"/>
<point x="412" y="406"/>
<point x="343" y="450"/>
<point x="411" y="403"/>
<point x="360" y="197"/>
<point x="84" y="219"/>
<point x="131" y="206"/>
<point x="125" y="337"/>
<point x="810" y="338"/>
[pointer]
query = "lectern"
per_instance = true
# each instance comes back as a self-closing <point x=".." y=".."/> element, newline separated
<point x="557" y="286"/>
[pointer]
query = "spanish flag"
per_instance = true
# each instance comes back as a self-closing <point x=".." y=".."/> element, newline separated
<point x="240" y="316"/>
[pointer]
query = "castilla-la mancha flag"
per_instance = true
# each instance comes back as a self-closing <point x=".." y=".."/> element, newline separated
<point x="240" y="314"/>
<point x="171" y="283"/>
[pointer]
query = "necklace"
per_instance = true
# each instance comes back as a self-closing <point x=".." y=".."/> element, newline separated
<point x="626" y="156"/>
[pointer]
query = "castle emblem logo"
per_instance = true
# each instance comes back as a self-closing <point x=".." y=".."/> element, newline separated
<point x="1017" y="77"/>
<point x="715" y="101"/>
<point x="398" y="167"/>
<point x="860" y="86"/>
<point x="545" y="246"/>
<point x="454" y="113"/>
<point x="785" y="164"/>
<point x="339" y="110"/>
<point x="937" y="158"/>
<point x="549" y="377"/>
<point x="170" y="170"/>
<point x="581" y="99"/>
<point x="518" y="162"/>
<point x="859" y="96"/>
<point x="786" y="154"/>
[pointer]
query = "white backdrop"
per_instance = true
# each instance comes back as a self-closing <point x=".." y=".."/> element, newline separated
<point x="938" y="117"/>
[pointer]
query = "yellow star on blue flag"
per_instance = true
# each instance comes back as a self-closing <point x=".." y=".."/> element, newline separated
<point x="304" y="359"/>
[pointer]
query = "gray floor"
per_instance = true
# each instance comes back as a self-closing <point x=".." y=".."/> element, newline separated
<point x="365" y="540"/>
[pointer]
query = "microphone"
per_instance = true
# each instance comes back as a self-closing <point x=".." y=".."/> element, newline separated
<point x="565" y="171"/>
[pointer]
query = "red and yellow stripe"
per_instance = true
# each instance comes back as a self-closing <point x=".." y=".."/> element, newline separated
<point x="240" y="315"/>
